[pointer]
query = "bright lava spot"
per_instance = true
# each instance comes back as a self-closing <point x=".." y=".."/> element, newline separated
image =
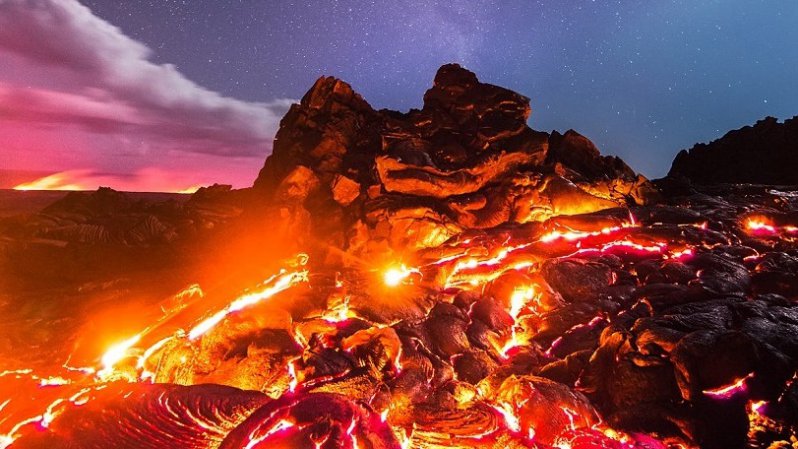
<point x="759" y="406"/>
<point x="115" y="354"/>
<point x="395" y="276"/>
<point x="760" y="225"/>
<point x="520" y="297"/>
<point x="727" y="391"/>
<point x="512" y="421"/>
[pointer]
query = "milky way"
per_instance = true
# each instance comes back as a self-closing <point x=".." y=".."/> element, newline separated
<point x="642" y="79"/>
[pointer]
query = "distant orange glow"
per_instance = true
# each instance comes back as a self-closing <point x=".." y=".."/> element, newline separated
<point x="760" y="225"/>
<point x="188" y="190"/>
<point x="57" y="181"/>
<point x="142" y="181"/>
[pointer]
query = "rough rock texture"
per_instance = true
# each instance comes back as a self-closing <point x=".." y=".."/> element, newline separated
<point x="383" y="180"/>
<point x="766" y="153"/>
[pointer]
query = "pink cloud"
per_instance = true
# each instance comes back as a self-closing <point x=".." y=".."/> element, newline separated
<point x="37" y="105"/>
<point x="88" y="97"/>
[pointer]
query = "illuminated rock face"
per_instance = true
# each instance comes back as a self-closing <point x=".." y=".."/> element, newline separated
<point x="466" y="160"/>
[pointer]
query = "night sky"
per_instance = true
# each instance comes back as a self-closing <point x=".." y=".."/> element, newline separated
<point x="163" y="95"/>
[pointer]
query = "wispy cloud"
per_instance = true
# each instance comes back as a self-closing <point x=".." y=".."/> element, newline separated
<point x="75" y="73"/>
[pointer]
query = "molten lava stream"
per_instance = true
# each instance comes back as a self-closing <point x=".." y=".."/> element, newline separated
<point x="560" y="418"/>
<point x="765" y="227"/>
<point x="466" y="267"/>
<point x="31" y="399"/>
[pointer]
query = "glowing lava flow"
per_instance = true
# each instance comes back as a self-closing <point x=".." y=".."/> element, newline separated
<point x="339" y="313"/>
<point x="758" y="420"/>
<point x="468" y="271"/>
<point x="519" y="299"/>
<point x="581" y="235"/>
<point x="283" y="282"/>
<point x="257" y="438"/>
<point x="115" y="354"/>
<point x="510" y="419"/>
<point x="464" y="270"/>
<point x="730" y="390"/>
<point x="472" y="272"/>
<point x="474" y="268"/>
<point x="128" y="348"/>
<point x="398" y="275"/>
<point x="124" y="349"/>
<point x="760" y="225"/>
<point x="763" y="226"/>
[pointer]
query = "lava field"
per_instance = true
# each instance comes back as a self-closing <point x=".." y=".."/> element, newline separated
<point x="445" y="277"/>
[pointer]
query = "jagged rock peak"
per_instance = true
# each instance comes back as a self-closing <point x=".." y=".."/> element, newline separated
<point x="329" y="92"/>
<point x="459" y="92"/>
<point x="104" y="200"/>
<point x="575" y="153"/>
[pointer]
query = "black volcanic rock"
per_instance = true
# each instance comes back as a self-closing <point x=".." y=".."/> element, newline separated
<point x="104" y="201"/>
<point x="328" y="131"/>
<point x="579" y="154"/>
<point x="766" y="153"/>
<point x="109" y="217"/>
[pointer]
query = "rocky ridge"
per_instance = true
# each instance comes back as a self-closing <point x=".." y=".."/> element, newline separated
<point x="384" y="180"/>
<point x="765" y="153"/>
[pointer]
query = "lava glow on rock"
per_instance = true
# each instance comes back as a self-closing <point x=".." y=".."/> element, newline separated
<point x="516" y="290"/>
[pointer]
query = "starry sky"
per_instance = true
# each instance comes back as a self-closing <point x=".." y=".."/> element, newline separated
<point x="165" y="94"/>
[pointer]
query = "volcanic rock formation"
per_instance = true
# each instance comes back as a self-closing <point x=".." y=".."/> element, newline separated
<point x="766" y="153"/>
<point x="377" y="180"/>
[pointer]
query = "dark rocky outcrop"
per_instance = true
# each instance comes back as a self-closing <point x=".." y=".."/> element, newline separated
<point x="765" y="153"/>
